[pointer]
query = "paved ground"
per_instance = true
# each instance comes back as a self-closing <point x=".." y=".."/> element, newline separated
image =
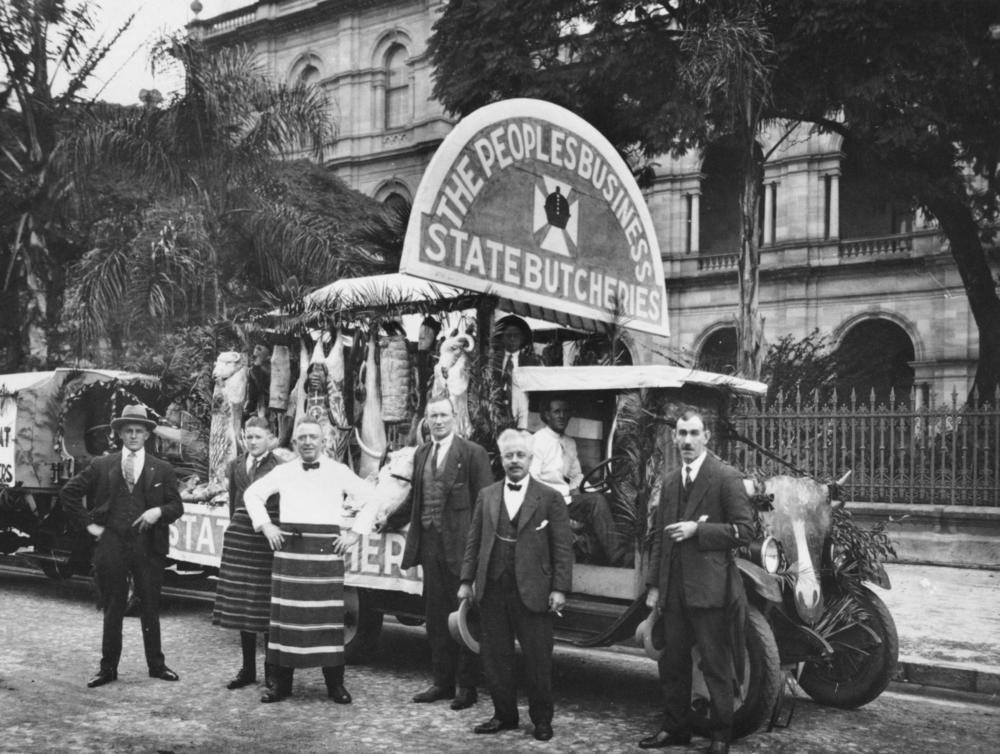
<point x="946" y="615"/>
<point x="50" y="635"/>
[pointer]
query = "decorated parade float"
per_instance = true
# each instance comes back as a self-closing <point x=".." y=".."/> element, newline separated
<point x="526" y="217"/>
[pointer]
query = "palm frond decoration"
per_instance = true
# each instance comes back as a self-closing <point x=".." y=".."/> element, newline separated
<point x="640" y="440"/>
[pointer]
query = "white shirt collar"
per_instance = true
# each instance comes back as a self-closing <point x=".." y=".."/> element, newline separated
<point x="140" y="459"/>
<point x="444" y="444"/>
<point x="695" y="465"/>
<point x="258" y="460"/>
<point x="512" y="499"/>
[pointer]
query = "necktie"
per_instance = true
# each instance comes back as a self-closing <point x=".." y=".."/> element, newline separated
<point x="514" y="487"/>
<point x="253" y="466"/>
<point x="687" y="478"/>
<point x="434" y="458"/>
<point x="130" y="470"/>
<point x="310" y="466"/>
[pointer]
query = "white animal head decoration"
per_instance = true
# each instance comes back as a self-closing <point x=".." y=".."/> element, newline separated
<point x="454" y="348"/>
<point x="226" y="365"/>
<point x="399" y="465"/>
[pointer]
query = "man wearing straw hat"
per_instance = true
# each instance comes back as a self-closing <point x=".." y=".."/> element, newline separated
<point x="306" y="629"/>
<point x="134" y="497"/>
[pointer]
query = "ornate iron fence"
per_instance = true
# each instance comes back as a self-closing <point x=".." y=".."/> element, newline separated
<point x="945" y="454"/>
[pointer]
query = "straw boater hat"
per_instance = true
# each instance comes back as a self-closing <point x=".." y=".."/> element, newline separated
<point x="133" y="415"/>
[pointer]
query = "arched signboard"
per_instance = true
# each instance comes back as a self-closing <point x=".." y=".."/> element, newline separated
<point x="527" y="201"/>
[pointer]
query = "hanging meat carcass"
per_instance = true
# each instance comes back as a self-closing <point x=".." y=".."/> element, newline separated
<point x="394" y="377"/>
<point x="340" y="434"/>
<point x="372" y="437"/>
<point x="230" y="375"/>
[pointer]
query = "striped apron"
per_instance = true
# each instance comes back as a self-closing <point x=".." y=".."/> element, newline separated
<point x="243" y="593"/>
<point x="307" y="599"/>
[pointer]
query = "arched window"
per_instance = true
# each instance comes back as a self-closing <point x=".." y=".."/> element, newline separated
<point x="309" y="75"/>
<point x="397" y="87"/>
<point x="874" y="358"/>
<point x="718" y="351"/>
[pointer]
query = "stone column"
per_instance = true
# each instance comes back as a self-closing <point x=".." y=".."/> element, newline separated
<point x="834" y="208"/>
<point x="694" y="220"/>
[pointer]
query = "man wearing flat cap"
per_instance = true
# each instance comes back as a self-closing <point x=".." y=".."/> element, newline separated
<point x="132" y="497"/>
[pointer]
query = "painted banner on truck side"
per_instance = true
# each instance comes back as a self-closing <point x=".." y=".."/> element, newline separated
<point x="373" y="563"/>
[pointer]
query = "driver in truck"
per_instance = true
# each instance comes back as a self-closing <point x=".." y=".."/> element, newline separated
<point x="556" y="463"/>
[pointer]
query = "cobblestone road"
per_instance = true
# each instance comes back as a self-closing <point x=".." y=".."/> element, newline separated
<point x="50" y="636"/>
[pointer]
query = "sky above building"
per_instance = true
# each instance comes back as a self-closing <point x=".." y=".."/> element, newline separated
<point x="125" y="71"/>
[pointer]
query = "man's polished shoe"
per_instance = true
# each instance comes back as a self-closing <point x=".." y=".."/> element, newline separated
<point x="273" y="694"/>
<point x="102" y="677"/>
<point x="464" y="699"/>
<point x="432" y="694"/>
<point x="243" y="678"/>
<point x="543" y="732"/>
<point x="164" y="674"/>
<point x="493" y="725"/>
<point x="664" y="738"/>
<point x="339" y="694"/>
<point x="718" y="747"/>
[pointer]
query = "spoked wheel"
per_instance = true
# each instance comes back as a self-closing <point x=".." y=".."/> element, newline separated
<point x="762" y="679"/>
<point x="866" y="650"/>
<point x="362" y="626"/>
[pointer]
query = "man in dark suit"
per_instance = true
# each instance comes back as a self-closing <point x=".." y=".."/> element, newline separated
<point x="515" y="337"/>
<point x="448" y="474"/>
<point x="704" y="513"/>
<point x="133" y="498"/>
<point x="520" y="557"/>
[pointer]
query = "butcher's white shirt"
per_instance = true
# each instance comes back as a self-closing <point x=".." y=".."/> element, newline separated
<point x="305" y="497"/>
<point x="555" y="462"/>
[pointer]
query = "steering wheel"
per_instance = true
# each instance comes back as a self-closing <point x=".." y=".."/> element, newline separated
<point x="599" y="478"/>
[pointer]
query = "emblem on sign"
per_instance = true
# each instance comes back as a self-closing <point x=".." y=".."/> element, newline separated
<point x="556" y="217"/>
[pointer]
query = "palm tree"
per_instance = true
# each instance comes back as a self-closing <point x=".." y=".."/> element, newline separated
<point x="220" y="229"/>
<point x="39" y="41"/>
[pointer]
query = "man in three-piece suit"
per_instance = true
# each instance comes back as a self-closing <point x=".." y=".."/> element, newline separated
<point x="133" y="498"/>
<point x="448" y="474"/>
<point x="704" y="513"/>
<point x="520" y="557"/>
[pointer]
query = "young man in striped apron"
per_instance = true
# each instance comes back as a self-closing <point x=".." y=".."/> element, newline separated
<point x="307" y="582"/>
<point x="243" y="594"/>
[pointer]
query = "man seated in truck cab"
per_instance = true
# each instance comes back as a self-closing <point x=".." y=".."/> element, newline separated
<point x="556" y="463"/>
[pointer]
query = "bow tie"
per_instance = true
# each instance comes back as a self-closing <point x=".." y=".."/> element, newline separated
<point x="514" y="487"/>
<point x="309" y="466"/>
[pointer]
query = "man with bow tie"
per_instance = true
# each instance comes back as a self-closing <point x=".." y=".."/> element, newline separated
<point x="306" y="627"/>
<point x="134" y="497"/>
<point x="556" y="463"/>
<point x="448" y="474"/>
<point x="519" y="556"/>
<point x="703" y="516"/>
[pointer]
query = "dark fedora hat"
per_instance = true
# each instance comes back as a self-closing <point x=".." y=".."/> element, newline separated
<point x="133" y="415"/>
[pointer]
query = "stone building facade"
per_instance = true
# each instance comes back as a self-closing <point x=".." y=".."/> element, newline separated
<point x="837" y="256"/>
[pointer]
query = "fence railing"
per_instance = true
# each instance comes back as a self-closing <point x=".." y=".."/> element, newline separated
<point x="935" y="454"/>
